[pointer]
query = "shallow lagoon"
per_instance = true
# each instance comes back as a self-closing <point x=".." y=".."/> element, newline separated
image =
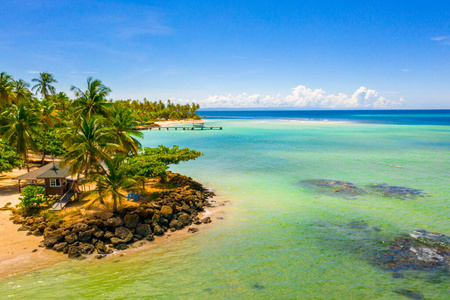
<point x="278" y="238"/>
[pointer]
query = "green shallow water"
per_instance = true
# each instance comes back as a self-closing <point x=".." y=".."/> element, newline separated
<point x="280" y="239"/>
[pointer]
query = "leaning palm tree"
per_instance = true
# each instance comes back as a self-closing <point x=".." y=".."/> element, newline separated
<point x="112" y="183"/>
<point x="44" y="84"/>
<point x="93" y="100"/>
<point x="6" y="87"/>
<point x="21" y="129"/>
<point x="20" y="92"/>
<point x="88" y="145"/>
<point x="122" y="121"/>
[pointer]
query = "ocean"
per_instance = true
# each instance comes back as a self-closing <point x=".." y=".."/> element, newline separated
<point x="320" y="204"/>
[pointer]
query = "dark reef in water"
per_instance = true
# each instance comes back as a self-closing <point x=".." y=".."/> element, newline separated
<point x="343" y="188"/>
<point x="410" y="294"/>
<point x="394" y="191"/>
<point x="420" y="254"/>
<point x="349" y="189"/>
<point x="420" y="250"/>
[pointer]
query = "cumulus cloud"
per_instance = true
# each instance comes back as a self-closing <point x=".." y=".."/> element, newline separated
<point x="303" y="97"/>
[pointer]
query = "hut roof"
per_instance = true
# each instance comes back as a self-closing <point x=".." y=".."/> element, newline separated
<point x="48" y="171"/>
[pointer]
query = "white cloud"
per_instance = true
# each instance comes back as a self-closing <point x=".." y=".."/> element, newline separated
<point x="440" y="38"/>
<point x="302" y="97"/>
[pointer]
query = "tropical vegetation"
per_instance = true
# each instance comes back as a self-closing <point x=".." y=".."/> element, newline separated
<point x="93" y="135"/>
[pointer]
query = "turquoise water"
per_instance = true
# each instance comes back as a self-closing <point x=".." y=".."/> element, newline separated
<point x="279" y="238"/>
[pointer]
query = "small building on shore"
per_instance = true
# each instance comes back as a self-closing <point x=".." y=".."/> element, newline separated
<point x="55" y="179"/>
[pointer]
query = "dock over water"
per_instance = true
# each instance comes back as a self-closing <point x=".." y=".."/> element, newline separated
<point x="193" y="127"/>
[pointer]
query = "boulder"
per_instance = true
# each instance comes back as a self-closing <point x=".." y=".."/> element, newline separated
<point x="123" y="233"/>
<point x="60" y="246"/>
<point x="101" y="248"/>
<point x="150" y="238"/>
<point x="121" y="246"/>
<point x="166" y="211"/>
<point x="196" y="221"/>
<point x="84" y="236"/>
<point x="80" y="227"/>
<point x="50" y="239"/>
<point x="98" y="234"/>
<point x="24" y="228"/>
<point x="18" y="220"/>
<point x="206" y="220"/>
<point x="74" y="252"/>
<point x="108" y="235"/>
<point x="71" y="238"/>
<point x="192" y="229"/>
<point x="185" y="207"/>
<point x="157" y="229"/>
<point x="86" y="248"/>
<point x="53" y="226"/>
<point x="143" y="229"/>
<point x="174" y="224"/>
<point x="96" y="222"/>
<point x="184" y="219"/>
<point x="37" y="232"/>
<point x="131" y="220"/>
<point x="114" y="222"/>
<point x="115" y="241"/>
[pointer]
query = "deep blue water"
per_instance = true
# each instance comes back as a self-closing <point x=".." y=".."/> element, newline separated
<point x="400" y="117"/>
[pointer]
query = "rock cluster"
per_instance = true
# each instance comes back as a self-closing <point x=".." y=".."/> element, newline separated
<point x="421" y="250"/>
<point x="102" y="233"/>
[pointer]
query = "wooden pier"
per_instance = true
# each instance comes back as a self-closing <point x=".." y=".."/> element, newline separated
<point x="189" y="128"/>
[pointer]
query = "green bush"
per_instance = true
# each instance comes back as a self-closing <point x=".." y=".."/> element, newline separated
<point x="149" y="123"/>
<point x="31" y="198"/>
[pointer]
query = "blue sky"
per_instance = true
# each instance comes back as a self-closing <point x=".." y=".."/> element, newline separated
<point x="304" y="54"/>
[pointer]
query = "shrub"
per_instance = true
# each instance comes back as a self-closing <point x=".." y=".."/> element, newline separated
<point x="31" y="198"/>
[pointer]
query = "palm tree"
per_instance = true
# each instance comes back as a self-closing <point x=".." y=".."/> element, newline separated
<point x="44" y="84"/>
<point x="87" y="144"/>
<point x="112" y="182"/>
<point x="121" y="122"/>
<point x="6" y="86"/>
<point x="47" y="116"/>
<point x="21" y="93"/>
<point x="62" y="101"/>
<point x="21" y="128"/>
<point x="93" y="100"/>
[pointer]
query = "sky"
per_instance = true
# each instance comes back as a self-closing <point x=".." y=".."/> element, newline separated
<point x="285" y="54"/>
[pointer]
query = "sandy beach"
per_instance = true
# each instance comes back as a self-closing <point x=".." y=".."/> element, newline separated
<point x="16" y="248"/>
<point x="20" y="253"/>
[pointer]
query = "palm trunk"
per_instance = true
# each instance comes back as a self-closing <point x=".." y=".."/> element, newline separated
<point x="43" y="158"/>
<point x="26" y="160"/>
<point x="44" y="144"/>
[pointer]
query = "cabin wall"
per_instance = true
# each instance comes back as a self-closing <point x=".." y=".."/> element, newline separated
<point x="56" y="190"/>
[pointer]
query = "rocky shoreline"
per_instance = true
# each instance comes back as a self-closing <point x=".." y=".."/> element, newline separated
<point x="103" y="233"/>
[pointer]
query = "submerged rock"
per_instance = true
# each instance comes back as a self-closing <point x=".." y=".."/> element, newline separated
<point x="431" y="238"/>
<point x="421" y="250"/>
<point x="343" y="188"/>
<point x="394" y="191"/>
<point x="357" y="225"/>
<point x="410" y="294"/>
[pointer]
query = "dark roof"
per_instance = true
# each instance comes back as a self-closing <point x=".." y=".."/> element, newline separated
<point x="47" y="171"/>
<point x="55" y="173"/>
